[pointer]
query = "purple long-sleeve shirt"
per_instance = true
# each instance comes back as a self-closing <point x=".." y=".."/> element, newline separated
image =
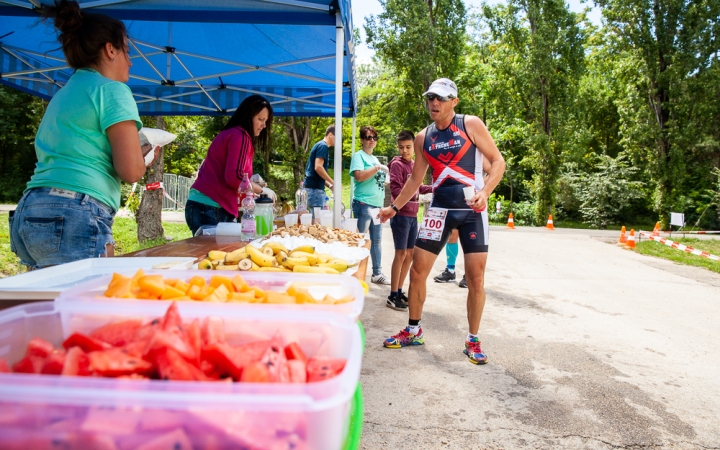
<point x="400" y="171"/>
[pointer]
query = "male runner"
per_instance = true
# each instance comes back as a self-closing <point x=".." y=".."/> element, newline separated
<point x="454" y="146"/>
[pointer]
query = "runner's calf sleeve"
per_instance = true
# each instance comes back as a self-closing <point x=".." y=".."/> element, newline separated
<point x="414" y="323"/>
<point x="451" y="250"/>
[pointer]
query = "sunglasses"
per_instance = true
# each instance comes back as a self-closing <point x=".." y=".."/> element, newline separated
<point x="432" y="97"/>
<point x="371" y="138"/>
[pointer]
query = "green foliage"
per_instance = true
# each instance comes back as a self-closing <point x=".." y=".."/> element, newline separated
<point x="125" y="235"/>
<point x="658" y="250"/>
<point x="21" y="115"/>
<point x="608" y="193"/>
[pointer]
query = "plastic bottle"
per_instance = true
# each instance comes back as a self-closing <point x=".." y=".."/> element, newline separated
<point x="247" y="222"/>
<point x="263" y="216"/>
<point x="326" y="206"/>
<point x="245" y="187"/>
<point x="301" y="198"/>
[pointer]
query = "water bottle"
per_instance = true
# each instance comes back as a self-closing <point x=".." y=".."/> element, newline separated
<point x="247" y="221"/>
<point x="326" y="205"/>
<point x="301" y="198"/>
<point x="244" y="189"/>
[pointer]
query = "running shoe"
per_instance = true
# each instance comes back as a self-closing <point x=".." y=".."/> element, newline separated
<point x="404" y="339"/>
<point x="463" y="283"/>
<point x="403" y="298"/>
<point x="445" y="277"/>
<point x="380" y="279"/>
<point x="474" y="352"/>
<point x="396" y="303"/>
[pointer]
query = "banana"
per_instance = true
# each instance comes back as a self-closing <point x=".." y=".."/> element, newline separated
<point x="338" y="267"/>
<point x="228" y="267"/>
<point x="324" y="258"/>
<point x="276" y="247"/>
<point x="268" y="251"/>
<point x="254" y="267"/>
<point x="245" y="264"/>
<point x="280" y="256"/>
<point x="274" y="269"/>
<point x="340" y="261"/>
<point x="205" y="264"/>
<point x="291" y="262"/>
<point x="311" y="257"/>
<point x="216" y="262"/>
<point x="216" y="254"/>
<point x="304" y="248"/>
<point x="315" y="269"/>
<point x="236" y="255"/>
<point x="260" y="258"/>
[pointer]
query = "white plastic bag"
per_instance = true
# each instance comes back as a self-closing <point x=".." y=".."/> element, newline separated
<point x="154" y="137"/>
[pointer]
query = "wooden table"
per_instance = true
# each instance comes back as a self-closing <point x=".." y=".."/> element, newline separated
<point x="199" y="246"/>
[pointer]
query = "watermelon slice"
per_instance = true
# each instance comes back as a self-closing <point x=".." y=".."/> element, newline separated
<point x="29" y="364"/>
<point x="275" y="361"/>
<point x="76" y="363"/>
<point x="297" y="371"/>
<point x="172" y="366"/>
<point x="54" y="363"/>
<point x="195" y="337"/>
<point x="146" y="332"/>
<point x="168" y="339"/>
<point x="117" y="334"/>
<point x="293" y="351"/>
<point x="86" y="343"/>
<point x="256" y="372"/>
<point x="232" y="359"/>
<point x="321" y="368"/>
<point x="116" y="362"/>
<point x="4" y="368"/>
<point x="39" y="347"/>
<point x="172" y="318"/>
<point x="212" y="331"/>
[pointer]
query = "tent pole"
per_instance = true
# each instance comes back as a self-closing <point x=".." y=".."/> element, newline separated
<point x="337" y="166"/>
<point x="352" y="152"/>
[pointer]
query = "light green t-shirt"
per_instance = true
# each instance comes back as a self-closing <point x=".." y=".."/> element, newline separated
<point x="372" y="190"/>
<point x="71" y="144"/>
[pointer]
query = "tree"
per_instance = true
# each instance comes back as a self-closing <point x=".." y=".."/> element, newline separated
<point x="675" y="45"/>
<point x="419" y="41"/>
<point x="149" y="214"/>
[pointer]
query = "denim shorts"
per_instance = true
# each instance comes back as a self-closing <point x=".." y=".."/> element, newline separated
<point x="316" y="198"/>
<point x="54" y="226"/>
<point x="404" y="231"/>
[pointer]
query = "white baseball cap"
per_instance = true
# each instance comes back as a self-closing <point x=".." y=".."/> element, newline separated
<point x="443" y="87"/>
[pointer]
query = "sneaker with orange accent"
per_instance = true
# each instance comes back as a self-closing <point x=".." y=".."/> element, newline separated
<point x="404" y="338"/>
<point x="474" y="352"/>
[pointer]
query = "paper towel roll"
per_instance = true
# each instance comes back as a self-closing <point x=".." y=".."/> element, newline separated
<point x="228" y="229"/>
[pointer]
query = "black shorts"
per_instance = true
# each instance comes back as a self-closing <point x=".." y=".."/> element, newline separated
<point x="472" y="230"/>
<point x="404" y="231"/>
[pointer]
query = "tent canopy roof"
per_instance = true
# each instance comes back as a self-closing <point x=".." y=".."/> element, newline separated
<point x="194" y="57"/>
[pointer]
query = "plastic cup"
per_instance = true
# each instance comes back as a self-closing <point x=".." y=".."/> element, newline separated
<point x="351" y="224"/>
<point x="316" y="212"/>
<point x="291" y="220"/>
<point x="326" y="220"/>
<point x="374" y="214"/>
<point x="469" y="192"/>
<point x="306" y="219"/>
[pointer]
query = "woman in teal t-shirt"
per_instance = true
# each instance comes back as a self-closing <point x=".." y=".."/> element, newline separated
<point x="87" y="143"/>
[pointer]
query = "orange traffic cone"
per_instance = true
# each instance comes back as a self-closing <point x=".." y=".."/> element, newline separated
<point x="656" y="230"/>
<point x="550" y="225"/>
<point x="623" y="238"/>
<point x="511" y="222"/>
<point x="631" y="240"/>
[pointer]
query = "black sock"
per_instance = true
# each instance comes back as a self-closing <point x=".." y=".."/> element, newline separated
<point x="414" y="323"/>
<point x="399" y="293"/>
<point x="393" y="294"/>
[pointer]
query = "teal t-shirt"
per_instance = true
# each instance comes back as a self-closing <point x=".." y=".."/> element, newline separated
<point x="199" y="197"/>
<point x="372" y="190"/>
<point x="71" y="144"/>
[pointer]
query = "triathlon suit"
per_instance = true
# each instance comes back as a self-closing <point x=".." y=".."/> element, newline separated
<point x="456" y="163"/>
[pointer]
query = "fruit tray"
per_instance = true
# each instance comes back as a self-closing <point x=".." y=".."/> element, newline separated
<point x="316" y="285"/>
<point x="72" y="412"/>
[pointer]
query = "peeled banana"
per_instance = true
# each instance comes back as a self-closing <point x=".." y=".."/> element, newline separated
<point x="245" y="264"/>
<point x="260" y="258"/>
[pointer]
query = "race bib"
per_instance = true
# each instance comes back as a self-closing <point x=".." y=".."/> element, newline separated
<point x="433" y="224"/>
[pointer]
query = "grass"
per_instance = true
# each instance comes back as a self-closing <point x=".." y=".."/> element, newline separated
<point x="124" y="231"/>
<point x="652" y="248"/>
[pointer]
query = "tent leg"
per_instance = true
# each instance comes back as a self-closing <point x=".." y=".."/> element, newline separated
<point x="352" y="153"/>
<point x="337" y="166"/>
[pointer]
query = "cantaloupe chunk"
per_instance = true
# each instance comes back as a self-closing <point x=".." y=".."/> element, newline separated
<point x="346" y="299"/>
<point x="152" y="283"/>
<point x="239" y="284"/>
<point x="195" y="292"/>
<point x="219" y="294"/>
<point x="171" y="293"/>
<point x="279" y="297"/>
<point x="182" y="286"/>
<point x="119" y="286"/>
<point x="303" y="296"/>
<point x="139" y="274"/>
<point x="242" y="297"/>
<point x="197" y="281"/>
<point x="260" y="295"/>
<point x="217" y="280"/>
<point x="143" y="294"/>
<point x="171" y="281"/>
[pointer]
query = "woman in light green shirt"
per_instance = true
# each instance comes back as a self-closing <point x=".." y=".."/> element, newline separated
<point x="87" y="143"/>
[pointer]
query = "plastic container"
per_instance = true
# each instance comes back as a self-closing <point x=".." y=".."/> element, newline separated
<point x="263" y="216"/>
<point x="46" y="411"/>
<point x="91" y="293"/>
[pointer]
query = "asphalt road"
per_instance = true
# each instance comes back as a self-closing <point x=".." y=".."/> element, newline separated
<point x="589" y="346"/>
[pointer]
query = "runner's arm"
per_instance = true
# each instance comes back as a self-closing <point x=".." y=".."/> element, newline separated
<point x="480" y="135"/>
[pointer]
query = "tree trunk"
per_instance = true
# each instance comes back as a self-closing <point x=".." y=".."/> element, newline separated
<point x="149" y="215"/>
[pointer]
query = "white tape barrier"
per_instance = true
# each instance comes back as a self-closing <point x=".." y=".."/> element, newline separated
<point x="677" y="245"/>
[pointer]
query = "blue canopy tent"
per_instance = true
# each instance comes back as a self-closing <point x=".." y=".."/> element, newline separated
<point x="194" y="57"/>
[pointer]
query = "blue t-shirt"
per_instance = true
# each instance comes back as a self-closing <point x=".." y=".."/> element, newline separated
<point x="71" y="144"/>
<point x="312" y="179"/>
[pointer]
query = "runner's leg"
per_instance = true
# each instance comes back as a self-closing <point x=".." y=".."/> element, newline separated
<point x="475" y="277"/>
<point x="423" y="261"/>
